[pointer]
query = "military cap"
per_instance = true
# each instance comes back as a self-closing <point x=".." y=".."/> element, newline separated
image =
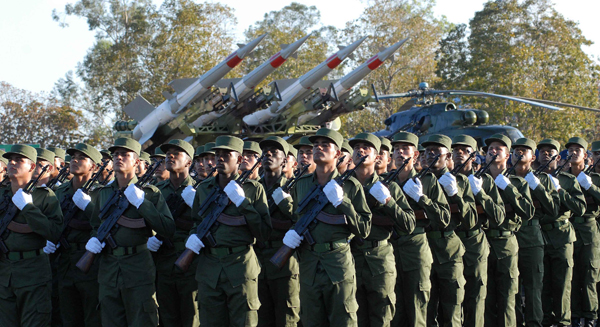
<point x="208" y="149"/>
<point x="577" y="140"/>
<point x="58" y="152"/>
<point x="227" y="142"/>
<point x="595" y="146"/>
<point x="252" y="146"/>
<point x="347" y="147"/>
<point x="524" y="142"/>
<point x="45" y="154"/>
<point x="199" y="150"/>
<point x="2" y="159"/>
<point x="478" y="160"/>
<point x="499" y="138"/>
<point x="158" y="153"/>
<point x="68" y="158"/>
<point x="564" y="154"/>
<point x="330" y="134"/>
<point x="438" y="139"/>
<point x="127" y="143"/>
<point x="277" y="141"/>
<point x="406" y="137"/>
<point x="179" y="144"/>
<point x="145" y="156"/>
<point x="106" y="154"/>
<point x="421" y="148"/>
<point x="23" y="150"/>
<point x="86" y="149"/>
<point x="550" y="142"/>
<point x="465" y="140"/>
<point x="292" y="151"/>
<point x="304" y="141"/>
<point x="367" y="138"/>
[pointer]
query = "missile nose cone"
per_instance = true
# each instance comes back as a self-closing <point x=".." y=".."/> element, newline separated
<point x="290" y="49"/>
<point x="246" y="49"/>
<point x="383" y="55"/>
<point x="345" y="52"/>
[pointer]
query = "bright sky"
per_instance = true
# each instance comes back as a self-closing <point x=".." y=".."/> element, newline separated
<point x="36" y="52"/>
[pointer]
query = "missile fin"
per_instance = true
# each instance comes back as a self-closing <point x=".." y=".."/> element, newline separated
<point x="284" y="83"/>
<point x="323" y="84"/>
<point x="180" y="84"/>
<point x="241" y="45"/>
<point x="148" y="134"/>
<point x="283" y="46"/>
<point x="224" y="83"/>
<point x="139" y="108"/>
<point x="167" y="95"/>
<point x="332" y="92"/>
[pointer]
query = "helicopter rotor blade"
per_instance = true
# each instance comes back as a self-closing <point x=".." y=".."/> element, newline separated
<point x="506" y="97"/>
<point x="395" y="95"/>
<point x="407" y="105"/>
<point x="561" y="104"/>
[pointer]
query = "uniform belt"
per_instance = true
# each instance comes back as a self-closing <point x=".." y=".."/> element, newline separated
<point x="18" y="255"/>
<point x="554" y="225"/>
<point x="494" y="233"/>
<point x="533" y="222"/>
<point x="436" y="234"/>
<point x="581" y="220"/>
<point x="223" y="252"/>
<point x="324" y="247"/>
<point x="126" y="250"/>
<point x="369" y="244"/>
<point x="468" y="233"/>
<point x="417" y="230"/>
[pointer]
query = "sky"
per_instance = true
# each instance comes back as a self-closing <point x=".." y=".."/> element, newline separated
<point x="36" y="52"/>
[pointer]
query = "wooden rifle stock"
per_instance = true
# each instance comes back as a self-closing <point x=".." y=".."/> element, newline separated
<point x="185" y="259"/>
<point x="86" y="261"/>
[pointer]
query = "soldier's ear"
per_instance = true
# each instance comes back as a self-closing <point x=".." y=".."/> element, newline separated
<point x="239" y="158"/>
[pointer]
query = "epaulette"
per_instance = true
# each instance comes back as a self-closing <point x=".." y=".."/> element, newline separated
<point x="353" y="180"/>
<point x="96" y="187"/>
<point x="43" y="187"/>
<point x="567" y="174"/>
<point x="152" y="187"/>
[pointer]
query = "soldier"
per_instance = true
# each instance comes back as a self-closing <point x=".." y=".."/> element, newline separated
<point x="586" y="251"/>
<point x="529" y="236"/>
<point x="278" y="289"/>
<point x="374" y="255"/>
<point x="25" y="276"/>
<point x="145" y="163"/>
<point x="421" y="163"/>
<point x="175" y="290"/>
<point x="58" y="162"/>
<point x="208" y="158"/>
<point x="385" y="157"/>
<point x="108" y="173"/>
<point x="475" y="259"/>
<point x="126" y="273"/>
<point x="559" y="235"/>
<point x="78" y="291"/>
<point x="503" y="270"/>
<point x="347" y="158"/>
<point x="327" y="272"/>
<point x="201" y="173"/>
<point x="291" y="163"/>
<point x="305" y="153"/>
<point x="3" y="165"/>
<point x="447" y="279"/>
<point x="413" y="255"/>
<point x="227" y="274"/>
<point x="44" y="158"/>
<point x="250" y="156"/>
<point x="162" y="173"/>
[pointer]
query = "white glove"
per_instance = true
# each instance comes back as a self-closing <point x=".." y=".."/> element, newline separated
<point x="334" y="193"/>
<point x="94" y="245"/>
<point x="81" y="199"/>
<point x="235" y="193"/>
<point x="21" y="199"/>
<point x="188" y="195"/>
<point x="532" y="180"/>
<point x="502" y="181"/>
<point x="476" y="184"/>
<point x="584" y="180"/>
<point x="448" y="182"/>
<point x="279" y="195"/>
<point x="555" y="182"/>
<point x="50" y="247"/>
<point x="380" y="192"/>
<point x="292" y="239"/>
<point x="153" y="244"/>
<point x="193" y="243"/>
<point x="413" y="189"/>
<point x="134" y="195"/>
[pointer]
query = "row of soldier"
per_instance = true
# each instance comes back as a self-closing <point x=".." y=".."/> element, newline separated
<point x="436" y="242"/>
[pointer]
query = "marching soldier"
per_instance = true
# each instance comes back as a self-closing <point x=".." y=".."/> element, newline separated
<point x="126" y="274"/>
<point x="374" y="255"/>
<point x="227" y="274"/>
<point x="3" y="166"/>
<point x="161" y="174"/>
<point x="385" y="157"/>
<point x="327" y="272"/>
<point x="291" y="163"/>
<point x="250" y="156"/>
<point x="208" y="158"/>
<point x="58" y="162"/>
<point x="108" y="172"/>
<point x="559" y="235"/>
<point x="44" y="158"/>
<point x="305" y="153"/>
<point x="145" y="162"/>
<point x="25" y="276"/>
<point x="346" y="163"/>
<point x="413" y="254"/>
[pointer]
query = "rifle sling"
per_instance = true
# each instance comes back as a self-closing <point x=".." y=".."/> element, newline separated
<point x="384" y="221"/>
<point x="19" y="228"/>
<point x="131" y="222"/>
<point x="332" y="219"/>
<point x="228" y="220"/>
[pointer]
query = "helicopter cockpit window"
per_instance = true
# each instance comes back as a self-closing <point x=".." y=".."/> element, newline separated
<point x="514" y="134"/>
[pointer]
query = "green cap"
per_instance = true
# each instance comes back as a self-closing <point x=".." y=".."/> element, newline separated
<point x="595" y="146"/>
<point x="86" y="149"/>
<point x="499" y="138"/>
<point x="347" y="147"/>
<point x="465" y="140"/>
<point x="145" y="156"/>
<point x="208" y="149"/>
<point x="106" y="154"/>
<point x="227" y="142"/>
<point x="58" y="152"/>
<point x="158" y="153"/>
<point x="524" y="142"/>
<point x="45" y="154"/>
<point x="68" y="158"/>
<point x="577" y="140"/>
<point x="330" y="134"/>
<point x="385" y="144"/>
<point x="277" y="141"/>
<point x="252" y="146"/>
<point x="127" y="143"/>
<point x="367" y="138"/>
<point x="179" y="144"/>
<point x="550" y="142"/>
<point x="420" y="148"/>
<point x="198" y="151"/>
<point x="292" y="151"/>
<point x="2" y="159"/>
<point x="406" y="137"/>
<point x="304" y="141"/>
<point x="24" y="150"/>
<point x="438" y="139"/>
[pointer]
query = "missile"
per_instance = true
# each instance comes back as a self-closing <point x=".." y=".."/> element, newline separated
<point x="301" y="86"/>
<point x="187" y="90"/>
<point x="245" y="87"/>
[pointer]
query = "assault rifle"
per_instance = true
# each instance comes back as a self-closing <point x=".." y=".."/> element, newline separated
<point x="424" y="171"/>
<point x="62" y="174"/>
<point x="541" y="169"/>
<point x="511" y="169"/>
<point x="458" y="168"/>
<point x="591" y="168"/>
<point x="485" y="168"/>
<point x="287" y="187"/>
<point x="561" y="167"/>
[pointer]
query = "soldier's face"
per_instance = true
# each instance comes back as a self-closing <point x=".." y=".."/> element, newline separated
<point x="546" y="153"/>
<point x="2" y="170"/>
<point x="141" y="168"/>
<point x="460" y="153"/>
<point x="199" y="168"/>
<point x="161" y="172"/>
<point x="362" y="149"/>
<point x="274" y="158"/>
<point x="383" y="160"/>
<point x="432" y="151"/>
<point x="403" y="151"/>
<point x="58" y="163"/>
<point x="81" y="164"/>
<point x="177" y="160"/>
<point x="497" y="148"/>
<point x="40" y="166"/>
<point x="527" y="153"/>
<point x="325" y="151"/>
<point x="305" y="155"/>
<point x="290" y="165"/>
<point x="125" y="161"/>
<point x="595" y="157"/>
<point x="249" y="158"/>
<point x="209" y="160"/>
<point x="227" y="161"/>
<point x="20" y="167"/>
<point x="578" y="152"/>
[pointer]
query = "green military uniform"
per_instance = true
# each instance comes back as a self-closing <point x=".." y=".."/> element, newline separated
<point x="374" y="256"/>
<point x="414" y="257"/>
<point x="327" y="271"/>
<point x="25" y="274"/>
<point x="227" y="274"/>
<point x="127" y="273"/>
